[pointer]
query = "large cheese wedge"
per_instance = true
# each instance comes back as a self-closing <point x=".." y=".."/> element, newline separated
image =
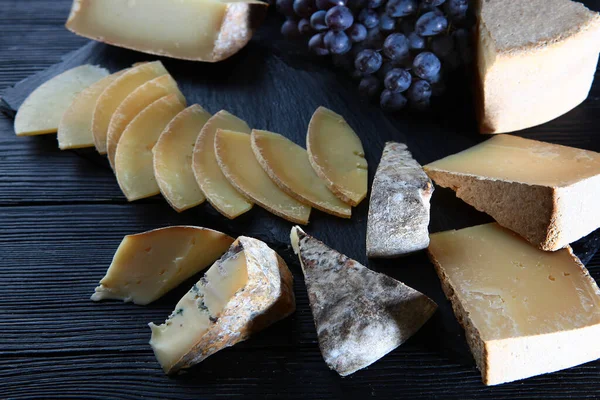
<point x="525" y="311"/>
<point x="360" y="315"/>
<point x="114" y="95"/>
<point x="148" y="265"/>
<point x="536" y="61"/>
<point x="337" y="156"/>
<point x="239" y="165"/>
<point x="173" y="159"/>
<point x="218" y="191"/>
<point x="42" y="110"/>
<point x="247" y="290"/>
<point x="200" y="30"/>
<point x="134" y="165"/>
<point x="545" y="192"/>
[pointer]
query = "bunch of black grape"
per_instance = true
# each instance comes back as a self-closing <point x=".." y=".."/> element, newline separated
<point x="400" y="50"/>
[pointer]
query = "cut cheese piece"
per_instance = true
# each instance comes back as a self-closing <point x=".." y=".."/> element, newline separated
<point x="337" y="156"/>
<point x="288" y="166"/>
<point x="215" y="186"/>
<point x="545" y="192"/>
<point x="173" y="159"/>
<point x="134" y="164"/>
<point x="360" y="315"/>
<point x="247" y="290"/>
<point x="43" y="109"/>
<point x="526" y="49"/>
<point x="200" y="30"/>
<point x="114" y="95"/>
<point x="149" y="264"/>
<point x="525" y="311"/>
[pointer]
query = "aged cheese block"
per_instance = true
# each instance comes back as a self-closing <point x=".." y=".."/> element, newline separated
<point x="149" y="264"/>
<point x="240" y="167"/>
<point x="536" y="61"/>
<point x="545" y="192"/>
<point x="398" y="217"/>
<point x="525" y="311"/>
<point x="288" y="166"/>
<point x="245" y="291"/>
<point x="42" y="110"/>
<point x="360" y="315"/>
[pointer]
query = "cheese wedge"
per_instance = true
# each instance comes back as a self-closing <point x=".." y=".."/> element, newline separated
<point x="525" y="312"/>
<point x="545" y="192"/>
<point x="245" y="291"/>
<point x="360" y="315"/>
<point x="239" y="165"/>
<point x="134" y="165"/>
<point x="287" y="165"/>
<point x="337" y="156"/>
<point x="148" y="265"/>
<point x="173" y="159"/>
<point x="43" y="109"/>
<point x="536" y="61"/>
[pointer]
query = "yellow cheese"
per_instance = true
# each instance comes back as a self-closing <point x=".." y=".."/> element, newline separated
<point x="240" y="167"/>
<point x="173" y="159"/>
<point x="149" y="264"/>
<point x="525" y="311"/>
<point x="337" y="156"/>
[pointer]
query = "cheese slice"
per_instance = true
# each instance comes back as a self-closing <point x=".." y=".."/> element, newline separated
<point x="245" y="291"/>
<point x="215" y="186"/>
<point x="337" y="156"/>
<point x="360" y="315"/>
<point x="239" y="165"/>
<point x="43" y="109"/>
<point x="134" y="164"/>
<point x="545" y="192"/>
<point x="525" y="311"/>
<point x="536" y="61"/>
<point x="148" y="265"/>
<point x="173" y="159"/>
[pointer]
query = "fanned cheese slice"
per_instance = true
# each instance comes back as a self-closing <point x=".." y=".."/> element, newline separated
<point x="238" y="163"/>
<point x="288" y="166"/>
<point x="43" y="109"/>
<point x="148" y="265"/>
<point x="173" y="159"/>
<point x="134" y="165"/>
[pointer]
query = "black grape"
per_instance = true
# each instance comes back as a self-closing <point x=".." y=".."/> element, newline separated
<point x="419" y="91"/>
<point x="374" y="38"/>
<point x="304" y="26"/>
<point x="357" y="33"/>
<point x="375" y="3"/>
<point x="339" y="18"/>
<point x="401" y="8"/>
<point x="395" y="46"/>
<point x="286" y="7"/>
<point x="456" y="9"/>
<point x="392" y="101"/>
<point x="433" y="3"/>
<point x="369" y="18"/>
<point x="327" y="4"/>
<point x="442" y="45"/>
<point x="368" y="61"/>
<point x="386" y="23"/>
<point x="430" y="24"/>
<point x="317" y="21"/>
<point x="337" y="42"/>
<point x="317" y="45"/>
<point x="397" y="80"/>
<point x="426" y="66"/>
<point x="369" y="86"/>
<point x="304" y="8"/>
<point x="462" y="38"/>
<point x="289" y="29"/>
<point x="416" y="42"/>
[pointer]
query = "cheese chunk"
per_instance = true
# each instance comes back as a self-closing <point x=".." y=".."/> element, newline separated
<point x="360" y="315"/>
<point x="545" y="192"/>
<point x="536" y="61"/>
<point x="43" y="109"/>
<point x="173" y="159"/>
<point x="242" y="170"/>
<point x="525" y="311"/>
<point x="288" y="166"/>
<point x="148" y="265"/>
<point x="247" y="290"/>
<point x="134" y="165"/>
<point x="337" y="156"/>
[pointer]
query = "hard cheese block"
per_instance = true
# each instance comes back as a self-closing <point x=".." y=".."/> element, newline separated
<point x="545" y="192"/>
<point x="398" y="219"/>
<point x="525" y="311"/>
<point x="536" y="60"/>
<point x="149" y="264"/>
<point x="245" y="291"/>
<point x="360" y="315"/>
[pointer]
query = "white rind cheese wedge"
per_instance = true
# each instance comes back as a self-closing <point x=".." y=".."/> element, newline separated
<point x="43" y="109"/>
<point x="360" y="315"/>
<point x="547" y="193"/>
<point x="244" y="292"/>
<point x="525" y="312"/>
<point x="148" y="265"/>
<point x="173" y="159"/>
